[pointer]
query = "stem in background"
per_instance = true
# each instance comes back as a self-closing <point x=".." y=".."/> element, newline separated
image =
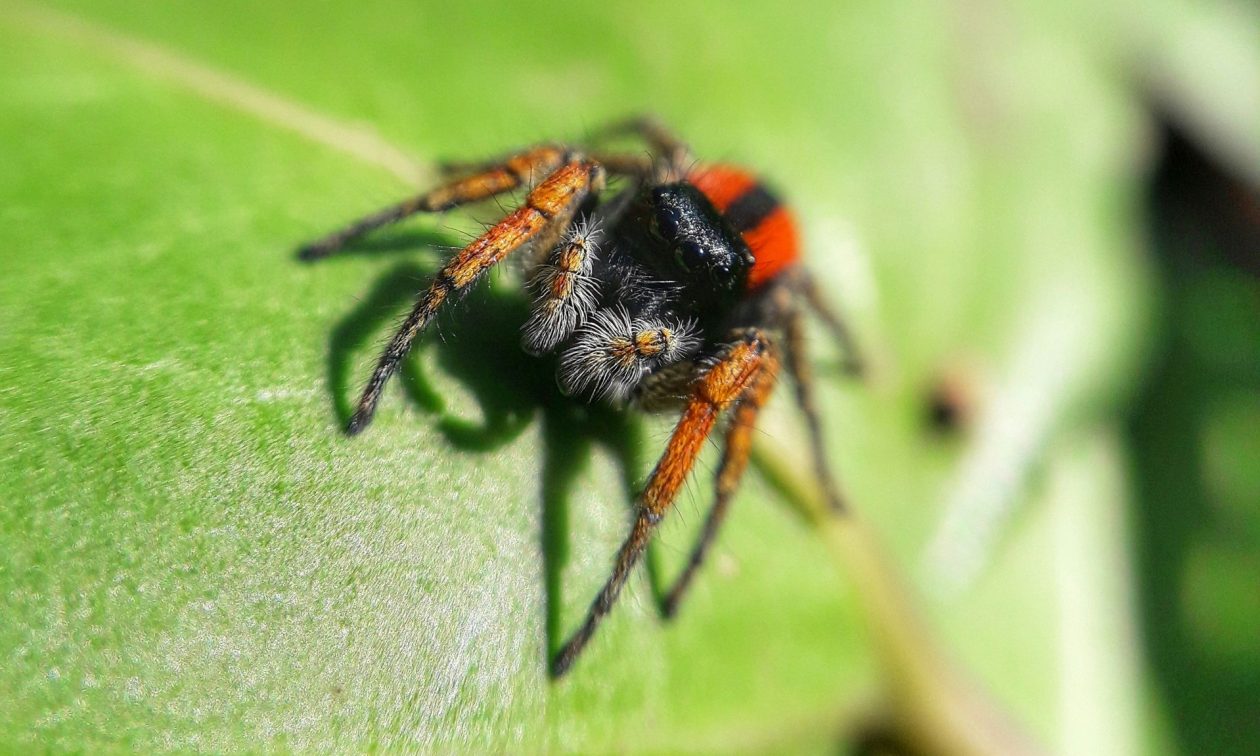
<point x="933" y="708"/>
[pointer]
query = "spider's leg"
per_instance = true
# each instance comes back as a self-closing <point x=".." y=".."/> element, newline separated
<point x="635" y="164"/>
<point x="564" y="289"/>
<point x="727" y="381"/>
<point x="664" y="142"/>
<point x="803" y="376"/>
<point x="490" y="180"/>
<point x="550" y="206"/>
<point x="565" y="284"/>
<point x="854" y="364"/>
<point x="641" y="166"/>
<point x="612" y="352"/>
<point x="453" y="169"/>
<point x="742" y="423"/>
<point x="670" y="157"/>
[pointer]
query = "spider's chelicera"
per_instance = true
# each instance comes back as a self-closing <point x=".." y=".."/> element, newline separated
<point x="682" y="291"/>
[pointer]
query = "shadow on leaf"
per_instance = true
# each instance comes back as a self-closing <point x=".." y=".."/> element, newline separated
<point x="477" y="343"/>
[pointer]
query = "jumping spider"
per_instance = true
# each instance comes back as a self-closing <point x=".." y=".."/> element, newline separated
<point x="682" y="292"/>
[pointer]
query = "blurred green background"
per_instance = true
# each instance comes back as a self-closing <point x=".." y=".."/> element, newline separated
<point x="1041" y="217"/>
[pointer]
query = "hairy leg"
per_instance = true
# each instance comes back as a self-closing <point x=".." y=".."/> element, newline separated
<point x="612" y="352"/>
<point x="564" y="283"/>
<point x="803" y="376"/>
<point x="511" y="173"/>
<point x="854" y="364"/>
<point x="735" y="373"/>
<point x="669" y="157"/>
<point x="664" y="142"/>
<point x="550" y="206"/>
<point x="735" y="453"/>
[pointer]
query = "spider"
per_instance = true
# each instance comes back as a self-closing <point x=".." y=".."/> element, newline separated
<point x="681" y="292"/>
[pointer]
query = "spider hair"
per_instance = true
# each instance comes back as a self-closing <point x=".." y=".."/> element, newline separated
<point x="612" y="352"/>
<point x="565" y="291"/>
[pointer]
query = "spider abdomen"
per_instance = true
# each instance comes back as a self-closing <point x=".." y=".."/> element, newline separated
<point x="756" y="214"/>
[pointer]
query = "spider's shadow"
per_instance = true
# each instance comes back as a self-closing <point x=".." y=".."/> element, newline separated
<point x="477" y="343"/>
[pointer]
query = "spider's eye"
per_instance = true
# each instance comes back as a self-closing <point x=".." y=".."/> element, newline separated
<point x="665" y="223"/>
<point x="690" y="255"/>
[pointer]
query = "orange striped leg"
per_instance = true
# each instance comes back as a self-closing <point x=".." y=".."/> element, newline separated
<point x="550" y="206"/>
<point x="633" y="164"/>
<point x="734" y="461"/>
<point x="514" y="172"/>
<point x="799" y="367"/>
<point x="726" y="382"/>
<point x="639" y="165"/>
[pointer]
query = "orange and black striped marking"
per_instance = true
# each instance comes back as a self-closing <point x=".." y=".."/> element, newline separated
<point x="755" y="212"/>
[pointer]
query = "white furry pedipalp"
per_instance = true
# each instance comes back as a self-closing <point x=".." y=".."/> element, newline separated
<point x="612" y="353"/>
<point x="565" y="292"/>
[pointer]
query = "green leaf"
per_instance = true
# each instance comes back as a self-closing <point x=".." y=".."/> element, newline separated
<point x="193" y="556"/>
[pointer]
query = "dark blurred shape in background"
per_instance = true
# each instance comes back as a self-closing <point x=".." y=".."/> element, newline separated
<point x="1195" y="430"/>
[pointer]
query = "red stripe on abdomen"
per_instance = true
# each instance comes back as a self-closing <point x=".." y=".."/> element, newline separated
<point x="722" y="184"/>
<point x="775" y="245"/>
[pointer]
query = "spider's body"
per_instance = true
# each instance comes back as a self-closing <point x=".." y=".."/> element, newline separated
<point x="680" y="267"/>
<point x="683" y="291"/>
